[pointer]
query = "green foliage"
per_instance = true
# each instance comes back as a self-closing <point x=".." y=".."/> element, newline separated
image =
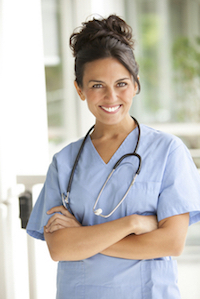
<point x="53" y="77"/>
<point x="186" y="61"/>
<point x="186" y="57"/>
<point x="149" y="41"/>
<point x="54" y="98"/>
<point x="150" y="36"/>
<point x="150" y="31"/>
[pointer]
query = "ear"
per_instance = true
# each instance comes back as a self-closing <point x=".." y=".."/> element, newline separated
<point x="136" y="86"/>
<point x="79" y="91"/>
<point x="135" y="89"/>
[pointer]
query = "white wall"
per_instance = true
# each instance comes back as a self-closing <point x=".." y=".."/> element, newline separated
<point x="23" y="131"/>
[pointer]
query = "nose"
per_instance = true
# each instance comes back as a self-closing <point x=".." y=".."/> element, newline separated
<point x="110" y="94"/>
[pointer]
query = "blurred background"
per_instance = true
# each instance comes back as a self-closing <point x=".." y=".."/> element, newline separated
<point x="40" y="112"/>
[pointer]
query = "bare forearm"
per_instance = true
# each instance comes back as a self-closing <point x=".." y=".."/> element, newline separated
<point x="115" y="238"/>
<point x="167" y="240"/>
<point x="78" y="243"/>
<point x="146" y="246"/>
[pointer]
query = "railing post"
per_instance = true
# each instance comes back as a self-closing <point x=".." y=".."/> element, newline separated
<point x="29" y="181"/>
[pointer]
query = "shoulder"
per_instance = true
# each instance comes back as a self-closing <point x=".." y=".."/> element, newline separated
<point x="160" y="140"/>
<point x="68" y="154"/>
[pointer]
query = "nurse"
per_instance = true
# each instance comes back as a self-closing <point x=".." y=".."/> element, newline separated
<point x="114" y="236"/>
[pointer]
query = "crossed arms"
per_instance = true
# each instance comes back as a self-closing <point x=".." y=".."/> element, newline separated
<point x="130" y="237"/>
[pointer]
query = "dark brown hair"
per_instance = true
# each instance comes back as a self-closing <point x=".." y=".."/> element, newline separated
<point x="102" y="38"/>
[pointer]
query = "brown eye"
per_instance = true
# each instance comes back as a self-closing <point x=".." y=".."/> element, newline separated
<point x="97" y="86"/>
<point x="121" y="84"/>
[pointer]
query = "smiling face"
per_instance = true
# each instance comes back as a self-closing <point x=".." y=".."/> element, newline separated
<point x="108" y="88"/>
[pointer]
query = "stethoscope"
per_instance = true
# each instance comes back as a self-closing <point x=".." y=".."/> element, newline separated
<point x="99" y="211"/>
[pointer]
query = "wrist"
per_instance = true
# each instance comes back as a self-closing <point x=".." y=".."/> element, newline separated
<point x="133" y="223"/>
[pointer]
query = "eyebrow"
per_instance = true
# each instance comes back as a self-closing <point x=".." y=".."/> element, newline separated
<point x="96" y="81"/>
<point x="99" y="81"/>
<point x="126" y="78"/>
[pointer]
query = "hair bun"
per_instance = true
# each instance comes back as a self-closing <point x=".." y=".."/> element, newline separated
<point x="100" y="39"/>
<point x="113" y="26"/>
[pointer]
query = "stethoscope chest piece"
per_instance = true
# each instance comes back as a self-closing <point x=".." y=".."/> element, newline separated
<point x="99" y="211"/>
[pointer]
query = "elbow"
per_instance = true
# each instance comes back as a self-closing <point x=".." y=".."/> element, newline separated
<point x="177" y="251"/>
<point x="58" y="255"/>
<point x="177" y="248"/>
<point x="54" y="246"/>
<point x="172" y="245"/>
<point x="54" y="256"/>
<point x="174" y="233"/>
<point x="63" y="251"/>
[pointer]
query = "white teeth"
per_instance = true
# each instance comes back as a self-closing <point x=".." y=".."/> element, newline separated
<point x="110" y="109"/>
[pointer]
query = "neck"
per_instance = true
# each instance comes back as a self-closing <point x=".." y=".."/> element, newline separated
<point x="109" y="131"/>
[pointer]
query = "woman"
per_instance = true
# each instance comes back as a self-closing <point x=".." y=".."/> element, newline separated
<point x="115" y="234"/>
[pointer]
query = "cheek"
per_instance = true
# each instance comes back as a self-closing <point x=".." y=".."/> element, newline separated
<point x="92" y="101"/>
<point x="128" y="95"/>
<point x="94" y="96"/>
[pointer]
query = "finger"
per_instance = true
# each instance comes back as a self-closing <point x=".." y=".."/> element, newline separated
<point x="68" y="220"/>
<point x="56" y="209"/>
<point x="54" y="228"/>
<point x="56" y="217"/>
<point x="60" y="209"/>
<point x="65" y="221"/>
<point x="61" y="222"/>
<point x="56" y="224"/>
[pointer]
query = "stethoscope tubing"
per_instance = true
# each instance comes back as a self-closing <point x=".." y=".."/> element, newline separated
<point x="98" y="212"/>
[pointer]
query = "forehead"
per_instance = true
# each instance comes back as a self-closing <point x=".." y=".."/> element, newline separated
<point x="104" y="69"/>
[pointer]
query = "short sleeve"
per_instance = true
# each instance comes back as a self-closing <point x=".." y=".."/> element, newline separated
<point x="180" y="188"/>
<point x="49" y="197"/>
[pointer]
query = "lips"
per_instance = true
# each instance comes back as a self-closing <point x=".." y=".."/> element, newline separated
<point x="110" y="109"/>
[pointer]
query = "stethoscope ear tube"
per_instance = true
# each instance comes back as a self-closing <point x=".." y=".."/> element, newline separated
<point x="98" y="212"/>
<point x="127" y="155"/>
<point x="140" y="163"/>
<point x="76" y="161"/>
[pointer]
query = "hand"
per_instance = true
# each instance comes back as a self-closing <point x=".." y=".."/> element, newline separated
<point x="144" y="224"/>
<point x="60" y="221"/>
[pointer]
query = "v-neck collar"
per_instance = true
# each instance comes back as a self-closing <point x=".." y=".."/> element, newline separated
<point x="116" y="152"/>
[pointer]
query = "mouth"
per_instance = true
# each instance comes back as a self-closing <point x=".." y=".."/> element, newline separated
<point x="111" y="109"/>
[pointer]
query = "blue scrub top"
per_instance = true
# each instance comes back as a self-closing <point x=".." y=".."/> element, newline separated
<point x="168" y="185"/>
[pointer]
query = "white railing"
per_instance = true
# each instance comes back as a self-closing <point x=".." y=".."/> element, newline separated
<point x="29" y="181"/>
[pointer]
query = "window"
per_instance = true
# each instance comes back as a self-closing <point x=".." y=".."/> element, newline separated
<point x="167" y="48"/>
<point x="168" y="52"/>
